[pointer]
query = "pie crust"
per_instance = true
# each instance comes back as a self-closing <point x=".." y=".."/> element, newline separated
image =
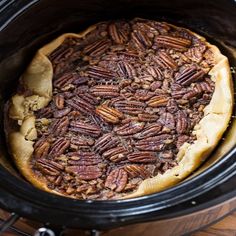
<point x="21" y="132"/>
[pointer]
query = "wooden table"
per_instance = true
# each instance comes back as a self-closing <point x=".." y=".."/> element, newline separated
<point x="225" y="227"/>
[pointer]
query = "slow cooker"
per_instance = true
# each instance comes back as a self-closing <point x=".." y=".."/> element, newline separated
<point x="27" y="25"/>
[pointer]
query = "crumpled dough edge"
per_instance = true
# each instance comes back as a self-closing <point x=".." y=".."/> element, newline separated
<point x="38" y="79"/>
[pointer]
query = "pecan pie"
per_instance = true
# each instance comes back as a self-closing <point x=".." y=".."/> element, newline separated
<point x="124" y="109"/>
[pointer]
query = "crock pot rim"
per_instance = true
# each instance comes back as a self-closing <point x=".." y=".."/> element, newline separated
<point x="23" y="191"/>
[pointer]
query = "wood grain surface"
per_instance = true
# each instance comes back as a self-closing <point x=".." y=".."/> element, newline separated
<point x="225" y="227"/>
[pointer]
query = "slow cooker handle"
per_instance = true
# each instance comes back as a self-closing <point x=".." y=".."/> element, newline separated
<point x="49" y="232"/>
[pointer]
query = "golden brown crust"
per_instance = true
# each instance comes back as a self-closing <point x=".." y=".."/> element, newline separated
<point x="38" y="79"/>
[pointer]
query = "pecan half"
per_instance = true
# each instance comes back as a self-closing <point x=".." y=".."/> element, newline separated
<point x="41" y="148"/>
<point x="167" y="119"/>
<point x="61" y="54"/>
<point x="148" y="131"/>
<point x="132" y="127"/>
<point x="137" y="171"/>
<point x="156" y="143"/>
<point x="147" y="117"/>
<point x="177" y="43"/>
<point x="142" y="157"/>
<point x="165" y="61"/>
<point x="85" y="128"/>
<point x="143" y="94"/>
<point x="140" y="40"/>
<point x="106" y="91"/>
<point x="155" y="72"/>
<point x="61" y="113"/>
<point x="60" y="126"/>
<point x="59" y="101"/>
<point x="109" y="114"/>
<point x="116" y="154"/>
<point x="117" y="180"/>
<point x="49" y="167"/>
<point x="81" y="142"/>
<point x="59" y="147"/>
<point x="129" y="107"/>
<point x="98" y="72"/>
<point x="84" y="159"/>
<point x="158" y="101"/>
<point x="84" y="172"/>
<point x="81" y="105"/>
<point x="97" y="48"/>
<point x="118" y="32"/>
<point x="196" y="53"/>
<point x="63" y="81"/>
<point x="87" y="97"/>
<point x="126" y="69"/>
<point x="189" y="75"/>
<point x="202" y="87"/>
<point x="105" y="142"/>
<point x="182" y="122"/>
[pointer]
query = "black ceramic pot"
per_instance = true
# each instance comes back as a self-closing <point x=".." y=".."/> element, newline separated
<point x="27" y="25"/>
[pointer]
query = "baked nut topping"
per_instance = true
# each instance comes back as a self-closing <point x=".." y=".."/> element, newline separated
<point x="125" y="102"/>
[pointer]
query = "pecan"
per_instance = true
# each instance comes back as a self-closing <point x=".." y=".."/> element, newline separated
<point x="45" y="112"/>
<point x="85" y="128"/>
<point x="84" y="172"/>
<point x="126" y="69"/>
<point x="105" y="91"/>
<point x="148" y="131"/>
<point x="177" y="43"/>
<point x="202" y="87"/>
<point x="146" y="117"/>
<point x="61" y="113"/>
<point x="137" y="171"/>
<point x="196" y="53"/>
<point x="87" y="97"/>
<point x="181" y="140"/>
<point x="41" y="148"/>
<point x="98" y="72"/>
<point x="132" y="127"/>
<point x="97" y="48"/>
<point x="182" y="122"/>
<point x="106" y="142"/>
<point x="116" y="154"/>
<point x="81" y="80"/>
<point x="81" y="142"/>
<point x="60" y="126"/>
<point x="156" y="143"/>
<point x="158" y="101"/>
<point x="167" y="119"/>
<point x="64" y="80"/>
<point x="109" y="114"/>
<point x="81" y="105"/>
<point x="84" y="159"/>
<point x="189" y="75"/>
<point x="59" y="101"/>
<point x="140" y="40"/>
<point x="155" y="72"/>
<point x="143" y="94"/>
<point x="118" y="33"/>
<point x="172" y="106"/>
<point x="165" y="61"/>
<point x="117" y="180"/>
<point x="49" y="167"/>
<point x="61" y="54"/>
<point x="59" y="147"/>
<point x="129" y="107"/>
<point x="142" y="157"/>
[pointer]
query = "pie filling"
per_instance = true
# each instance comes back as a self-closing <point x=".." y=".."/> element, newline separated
<point x="125" y="99"/>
